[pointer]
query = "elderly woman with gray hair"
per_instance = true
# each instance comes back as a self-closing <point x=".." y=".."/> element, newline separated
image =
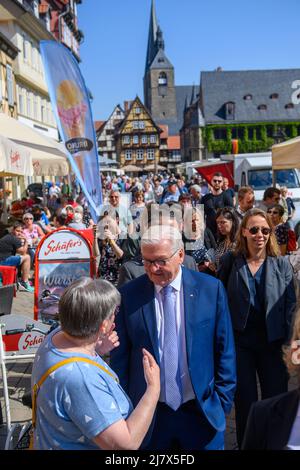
<point x="78" y="403"/>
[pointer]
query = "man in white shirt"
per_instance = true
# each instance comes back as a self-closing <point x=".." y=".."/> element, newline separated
<point x="119" y="212"/>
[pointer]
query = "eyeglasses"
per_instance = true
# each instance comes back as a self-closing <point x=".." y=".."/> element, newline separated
<point x="218" y="181"/>
<point x="158" y="262"/>
<point x="28" y="218"/>
<point x="264" y="230"/>
<point x="273" y="212"/>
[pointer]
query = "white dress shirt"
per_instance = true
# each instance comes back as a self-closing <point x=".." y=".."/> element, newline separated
<point x="187" y="389"/>
<point x="294" y="439"/>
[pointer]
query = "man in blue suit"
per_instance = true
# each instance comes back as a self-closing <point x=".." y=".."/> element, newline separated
<point x="182" y="318"/>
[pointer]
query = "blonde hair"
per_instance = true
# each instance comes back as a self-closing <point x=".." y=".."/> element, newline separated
<point x="272" y="248"/>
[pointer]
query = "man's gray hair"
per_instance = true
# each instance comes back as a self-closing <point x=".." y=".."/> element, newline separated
<point x="85" y="304"/>
<point x="155" y="234"/>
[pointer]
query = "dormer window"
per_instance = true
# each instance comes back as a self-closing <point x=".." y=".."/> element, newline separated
<point x="230" y="110"/>
<point x="162" y="79"/>
<point x="262" y="107"/>
<point x="274" y="96"/>
<point x="289" y="106"/>
<point x="248" y="97"/>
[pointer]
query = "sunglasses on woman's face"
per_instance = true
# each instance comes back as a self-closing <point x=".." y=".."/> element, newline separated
<point x="264" y="230"/>
<point x="273" y="212"/>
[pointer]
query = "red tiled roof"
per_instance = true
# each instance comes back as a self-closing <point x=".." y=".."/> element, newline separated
<point x="98" y="125"/>
<point x="174" y="142"/>
<point x="165" y="131"/>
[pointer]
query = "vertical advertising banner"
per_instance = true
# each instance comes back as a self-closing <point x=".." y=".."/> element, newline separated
<point x="72" y="111"/>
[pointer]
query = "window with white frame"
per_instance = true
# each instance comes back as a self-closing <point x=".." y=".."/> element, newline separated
<point x="152" y="139"/>
<point x="128" y="154"/>
<point x="28" y="100"/>
<point x="21" y="100"/>
<point x="126" y="139"/>
<point x="140" y="154"/>
<point x="135" y="124"/>
<point x="144" y="139"/>
<point x="9" y="85"/>
<point x="24" y="47"/>
<point x="135" y="139"/>
<point x="43" y="112"/>
<point x="141" y="125"/>
<point x="137" y="110"/>
<point x="35" y="107"/>
<point x="150" y="154"/>
<point x="32" y="55"/>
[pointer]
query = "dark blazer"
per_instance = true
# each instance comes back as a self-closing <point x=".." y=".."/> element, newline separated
<point x="134" y="268"/>
<point x="279" y="299"/>
<point x="270" y="422"/>
<point x="209" y="341"/>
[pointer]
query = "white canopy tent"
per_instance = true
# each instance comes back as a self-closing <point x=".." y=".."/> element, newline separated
<point x="286" y="154"/>
<point x="14" y="161"/>
<point x="49" y="158"/>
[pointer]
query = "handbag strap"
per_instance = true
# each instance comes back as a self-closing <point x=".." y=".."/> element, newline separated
<point x="56" y="366"/>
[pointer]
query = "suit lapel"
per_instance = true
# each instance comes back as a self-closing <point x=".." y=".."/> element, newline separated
<point x="191" y="307"/>
<point x="148" y="310"/>
<point x="282" y="419"/>
<point x="271" y="274"/>
<point x="241" y="265"/>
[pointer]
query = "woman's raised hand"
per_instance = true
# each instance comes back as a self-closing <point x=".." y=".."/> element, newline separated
<point x="151" y="371"/>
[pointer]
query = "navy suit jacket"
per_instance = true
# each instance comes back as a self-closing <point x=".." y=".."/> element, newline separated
<point x="209" y="342"/>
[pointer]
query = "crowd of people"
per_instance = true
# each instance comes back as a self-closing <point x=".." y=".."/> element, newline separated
<point x="201" y="300"/>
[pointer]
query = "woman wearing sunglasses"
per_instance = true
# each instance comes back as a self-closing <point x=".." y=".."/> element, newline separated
<point x="261" y="296"/>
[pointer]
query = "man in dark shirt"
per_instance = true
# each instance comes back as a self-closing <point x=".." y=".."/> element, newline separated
<point x="215" y="200"/>
<point x="13" y="252"/>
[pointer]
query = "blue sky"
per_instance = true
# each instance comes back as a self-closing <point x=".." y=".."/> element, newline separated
<point x="199" y="35"/>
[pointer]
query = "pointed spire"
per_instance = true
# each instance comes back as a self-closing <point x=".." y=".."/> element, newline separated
<point x="185" y="104"/>
<point x="152" y="36"/>
<point x="160" y="43"/>
<point x="192" y="95"/>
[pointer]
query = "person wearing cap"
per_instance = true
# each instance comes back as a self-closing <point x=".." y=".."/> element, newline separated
<point x="172" y="194"/>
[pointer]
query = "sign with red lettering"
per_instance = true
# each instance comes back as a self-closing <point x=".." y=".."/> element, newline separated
<point x="62" y="257"/>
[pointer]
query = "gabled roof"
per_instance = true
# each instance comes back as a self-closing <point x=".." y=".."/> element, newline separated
<point x="221" y="87"/>
<point x="165" y="131"/>
<point x="135" y="102"/>
<point x="161" y="61"/>
<point x="98" y="125"/>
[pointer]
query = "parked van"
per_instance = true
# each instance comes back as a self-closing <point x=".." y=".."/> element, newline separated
<point x="255" y="170"/>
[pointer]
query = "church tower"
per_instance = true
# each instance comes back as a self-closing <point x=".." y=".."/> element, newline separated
<point x="159" y="88"/>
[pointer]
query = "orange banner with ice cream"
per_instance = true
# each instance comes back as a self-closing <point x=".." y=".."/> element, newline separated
<point x="73" y="114"/>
